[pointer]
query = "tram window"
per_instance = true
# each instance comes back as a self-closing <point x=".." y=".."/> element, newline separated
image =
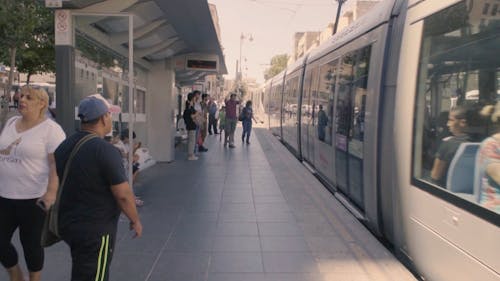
<point x="290" y="99"/>
<point x="325" y="98"/>
<point x="458" y="86"/>
<point x="140" y="101"/>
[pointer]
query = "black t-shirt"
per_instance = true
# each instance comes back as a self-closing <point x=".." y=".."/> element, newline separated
<point x="188" y="120"/>
<point x="87" y="203"/>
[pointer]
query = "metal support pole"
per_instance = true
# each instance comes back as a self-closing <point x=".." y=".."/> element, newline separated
<point x="339" y="7"/>
<point x="131" y="86"/>
<point x="241" y="43"/>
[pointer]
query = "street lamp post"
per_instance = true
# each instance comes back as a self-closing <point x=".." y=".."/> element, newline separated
<point x="339" y="7"/>
<point x="242" y="38"/>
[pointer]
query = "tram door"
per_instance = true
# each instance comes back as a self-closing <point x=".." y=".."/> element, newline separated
<point x="349" y="123"/>
<point x="308" y="115"/>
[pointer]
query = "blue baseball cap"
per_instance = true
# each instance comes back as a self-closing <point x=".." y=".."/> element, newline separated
<point x="95" y="106"/>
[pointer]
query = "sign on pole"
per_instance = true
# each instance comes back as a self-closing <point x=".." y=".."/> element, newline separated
<point x="53" y="3"/>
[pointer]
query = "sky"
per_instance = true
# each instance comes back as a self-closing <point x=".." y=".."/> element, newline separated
<point x="272" y="24"/>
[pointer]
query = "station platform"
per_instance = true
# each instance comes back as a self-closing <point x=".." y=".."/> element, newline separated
<point x="252" y="213"/>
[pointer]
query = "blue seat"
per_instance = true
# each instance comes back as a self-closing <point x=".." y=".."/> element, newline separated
<point x="461" y="171"/>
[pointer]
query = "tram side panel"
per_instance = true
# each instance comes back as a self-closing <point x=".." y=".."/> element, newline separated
<point x="451" y="231"/>
<point x="390" y="218"/>
<point x="275" y="106"/>
<point x="291" y="110"/>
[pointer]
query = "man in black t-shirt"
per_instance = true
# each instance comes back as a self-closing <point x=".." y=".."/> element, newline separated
<point x="95" y="191"/>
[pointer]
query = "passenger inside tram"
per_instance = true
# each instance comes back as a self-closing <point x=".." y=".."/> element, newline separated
<point x="322" y="123"/>
<point x="488" y="162"/>
<point x="457" y="124"/>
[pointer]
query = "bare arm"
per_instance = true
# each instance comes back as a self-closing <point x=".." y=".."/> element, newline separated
<point x="125" y="198"/>
<point x="493" y="170"/>
<point x="50" y="195"/>
<point x="438" y="169"/>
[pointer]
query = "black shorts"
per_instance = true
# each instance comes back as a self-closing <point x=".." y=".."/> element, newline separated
<point x="91" y="256"/>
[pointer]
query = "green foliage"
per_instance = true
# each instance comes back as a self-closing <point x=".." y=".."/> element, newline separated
<point x="99" y="54"/>
<point x="28" y="27"/>
<point x="278" y="64"/>
<point x="26" y="40"/>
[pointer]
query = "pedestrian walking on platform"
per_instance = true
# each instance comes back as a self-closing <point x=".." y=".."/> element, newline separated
<point x="212" y="117"/>
<point x="28" y="174"/>
<point x="231" y="120"/>
<point x="96" y="190"/>
<point x="247" y="114"/>
<point x="222" y="122"/>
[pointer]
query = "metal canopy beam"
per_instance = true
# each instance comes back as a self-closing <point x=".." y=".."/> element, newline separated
<point x="122" y="37"/>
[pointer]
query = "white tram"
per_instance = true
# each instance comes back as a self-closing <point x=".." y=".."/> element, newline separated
<point x="387" y="114"/>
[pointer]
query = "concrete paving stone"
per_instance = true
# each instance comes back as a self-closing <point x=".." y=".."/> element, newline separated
<point x="187" y="228"/>
<point x="237" y="193"/>
<point x="331" y="265"/>
<point x="236" y="262"/>
<point x="237" y="229"/>
<point x="149" y="243"/>
<point x="265" y="277"/>
<point x="201" y="217"/>
<point x="236" y="244"/>
<point x="182" y="262"/>
<point x="327" y="244"/>
<point x="262" y="191"/>
<point x="279" y="229"/>
<point x="310" y="217"/>
<point x="203" y="207"/>
<point x="270" y="207"/>
<point x="289" y="262"/>
<point x="269" y="199"/>
<point x="346" y="277"/>
<point x="237" y="186"/>
<point x="130" y="266"/>
<point x="237" y="217"/>
<point x="317" y="229"/>
<point x="284" y="244"/>
<point x="194" y="243"/>
<point x="237" y="199"/>
<point x="176" y="276"/>
<point x="275" y="216"/>
<point x="229" y="207"/>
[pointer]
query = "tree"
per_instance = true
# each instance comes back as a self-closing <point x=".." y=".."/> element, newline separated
<point x="26" y="40"/>
<point x="38" y="54"/>
<point x="278" y="64"/>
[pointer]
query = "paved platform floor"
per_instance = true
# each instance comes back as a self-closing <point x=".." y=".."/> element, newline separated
<point x="252" y="213"/>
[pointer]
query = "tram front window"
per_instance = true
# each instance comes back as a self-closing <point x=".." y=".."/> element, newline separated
<point x="456" y="140"/>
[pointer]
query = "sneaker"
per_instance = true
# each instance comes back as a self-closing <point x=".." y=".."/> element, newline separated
<point x="203" y="149"/>
<point x="232" y="146"/>
<point x="191" y="158"/>
<point x="225" y="143"/>
<point x="248" y="142"/>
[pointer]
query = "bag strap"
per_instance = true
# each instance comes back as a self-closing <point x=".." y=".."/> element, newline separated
<point x="77" y="147"/>
<point x="79" y="144"/>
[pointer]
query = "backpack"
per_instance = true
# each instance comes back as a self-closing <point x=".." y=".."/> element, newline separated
<point x="242" y="115"/>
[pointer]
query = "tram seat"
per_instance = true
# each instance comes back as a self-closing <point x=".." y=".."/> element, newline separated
<point x="461" y="172"/>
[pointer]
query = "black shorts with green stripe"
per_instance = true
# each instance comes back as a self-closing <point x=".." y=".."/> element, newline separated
<point x="91" y="256"/>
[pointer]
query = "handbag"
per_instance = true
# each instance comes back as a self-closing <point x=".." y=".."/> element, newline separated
<point x="50" y="231"/>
